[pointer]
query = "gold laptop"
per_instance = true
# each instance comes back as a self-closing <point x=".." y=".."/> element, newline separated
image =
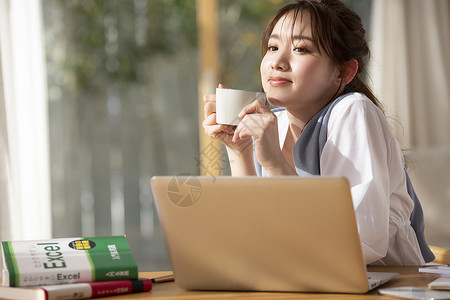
<point x="286" y="234"/>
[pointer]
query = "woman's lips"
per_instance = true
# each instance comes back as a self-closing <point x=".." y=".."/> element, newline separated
<point x="279" y="81"/>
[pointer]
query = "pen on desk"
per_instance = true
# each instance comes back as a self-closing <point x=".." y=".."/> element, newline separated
<point x="165" y="278"/>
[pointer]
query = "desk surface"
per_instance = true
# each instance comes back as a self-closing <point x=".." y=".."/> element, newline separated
<point x="409" y="276"/>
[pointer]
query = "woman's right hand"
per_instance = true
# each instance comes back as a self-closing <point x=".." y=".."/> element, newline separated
<point x="221" y="132"/>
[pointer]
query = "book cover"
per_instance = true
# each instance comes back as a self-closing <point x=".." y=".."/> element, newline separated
<point x="439" y="270"/>
<point x="77" y="290"/>
<point x="442" y="283"/>
<point x="67" y="260"/>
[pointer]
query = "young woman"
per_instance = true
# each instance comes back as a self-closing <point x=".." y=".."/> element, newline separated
<point x="328" y="123"/>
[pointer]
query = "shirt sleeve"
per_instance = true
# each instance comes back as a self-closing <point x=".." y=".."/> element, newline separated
<point x="357" y="148"/>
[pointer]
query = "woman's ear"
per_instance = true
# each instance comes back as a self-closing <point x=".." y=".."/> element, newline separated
<point x="349" y="71"/>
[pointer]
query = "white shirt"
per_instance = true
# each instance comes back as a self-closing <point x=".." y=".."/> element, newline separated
<point x="361" y="147"/>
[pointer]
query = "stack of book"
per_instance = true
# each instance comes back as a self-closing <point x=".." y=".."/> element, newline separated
<point x="443" y="271"/>
<point x="69" y="268"/>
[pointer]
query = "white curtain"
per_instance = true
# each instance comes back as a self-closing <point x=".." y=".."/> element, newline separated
<point x="24" y="155"/>
<point x="410" y="72"/>
<point x="6" y="230"/>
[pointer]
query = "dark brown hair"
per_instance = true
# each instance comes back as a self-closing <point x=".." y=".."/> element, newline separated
<point x="335" y="29"/>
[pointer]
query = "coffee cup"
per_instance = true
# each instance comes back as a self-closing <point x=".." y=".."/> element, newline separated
<point x="230" y="102"/>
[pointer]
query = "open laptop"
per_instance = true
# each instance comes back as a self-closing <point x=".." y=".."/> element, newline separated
<point x="286" y="234"/>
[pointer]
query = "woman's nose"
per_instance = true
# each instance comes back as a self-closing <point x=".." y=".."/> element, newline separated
<point x="280" y="62"/>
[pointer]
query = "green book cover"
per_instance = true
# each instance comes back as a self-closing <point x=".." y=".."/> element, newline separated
<point x="67" y="260"/>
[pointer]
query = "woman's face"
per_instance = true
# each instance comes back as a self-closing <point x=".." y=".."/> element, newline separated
<point x="293" y="72"/>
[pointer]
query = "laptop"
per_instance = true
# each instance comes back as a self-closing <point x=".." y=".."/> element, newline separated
<point x="285" y="234"/>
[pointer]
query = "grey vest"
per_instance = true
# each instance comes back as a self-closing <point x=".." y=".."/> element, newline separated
<point x="308" y="150"/>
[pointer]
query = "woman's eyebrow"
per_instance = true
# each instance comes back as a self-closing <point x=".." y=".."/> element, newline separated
<point x="295" y="37"/>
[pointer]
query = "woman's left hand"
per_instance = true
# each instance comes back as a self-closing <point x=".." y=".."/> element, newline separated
<point x="259" y="122"/>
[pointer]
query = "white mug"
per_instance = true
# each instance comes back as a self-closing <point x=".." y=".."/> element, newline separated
<point x="230" y="102"/>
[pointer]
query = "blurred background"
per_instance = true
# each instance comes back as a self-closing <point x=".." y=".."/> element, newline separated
<point x="122" y="103"/>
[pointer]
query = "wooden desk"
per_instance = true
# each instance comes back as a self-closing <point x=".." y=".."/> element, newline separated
<point x="409" y="276"/>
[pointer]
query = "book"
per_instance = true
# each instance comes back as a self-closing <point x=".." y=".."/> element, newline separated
<point x="67" y="260"/>
<point x="436" y="270"/>
<point x="442" y="283"/>
<point x="77" y="290"/>
<point x="444" y="267"/>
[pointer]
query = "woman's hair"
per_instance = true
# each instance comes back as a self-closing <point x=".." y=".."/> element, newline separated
<point x="337" y="30"/>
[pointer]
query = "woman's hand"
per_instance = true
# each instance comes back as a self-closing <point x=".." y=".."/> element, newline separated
<point x="259" y="122"/>
<point x="220" y="132"/>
